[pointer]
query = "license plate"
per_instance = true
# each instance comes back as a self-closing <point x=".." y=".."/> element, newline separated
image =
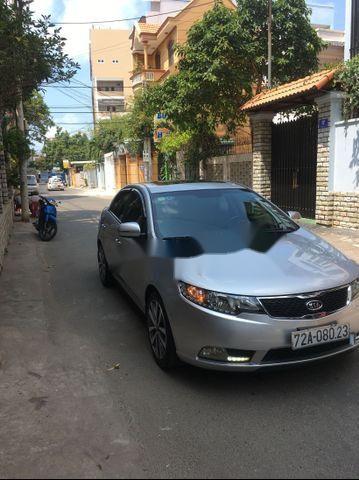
<point x="319" y="336"/>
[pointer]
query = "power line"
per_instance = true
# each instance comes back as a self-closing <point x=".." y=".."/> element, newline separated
<point x="132" y="19"/>
<point x="80" y="87"/>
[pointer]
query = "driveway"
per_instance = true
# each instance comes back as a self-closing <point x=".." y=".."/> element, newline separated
<point x="80" y="396"/>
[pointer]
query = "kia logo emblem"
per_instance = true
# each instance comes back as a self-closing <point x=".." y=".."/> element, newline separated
<point x="314" y="305"/>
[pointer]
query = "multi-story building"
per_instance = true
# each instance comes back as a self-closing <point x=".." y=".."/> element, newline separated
<point x="111" y="64"/>
<point x="161" y="9"/>
<point x="335" y="40"/>
<point x="352" y="29"/>
<point x="154" y="38"/>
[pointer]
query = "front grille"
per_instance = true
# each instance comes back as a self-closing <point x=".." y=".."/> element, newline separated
<point x="296" y="307"/>
<point x="286" y="355"/>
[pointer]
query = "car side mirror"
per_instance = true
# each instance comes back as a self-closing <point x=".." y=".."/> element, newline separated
<point x="130" y="230"/>
<point x="295" y="215"/>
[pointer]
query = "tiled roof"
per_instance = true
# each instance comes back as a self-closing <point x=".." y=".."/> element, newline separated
<point x="148" y="27"/>
<point x="288" y="91"/>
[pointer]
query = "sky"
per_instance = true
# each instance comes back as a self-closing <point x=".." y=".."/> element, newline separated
<point x="77" y="46"/>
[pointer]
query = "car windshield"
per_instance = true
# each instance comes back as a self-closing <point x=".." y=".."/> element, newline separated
<point x="219" y="219"/>
<point x="31" y="180"/>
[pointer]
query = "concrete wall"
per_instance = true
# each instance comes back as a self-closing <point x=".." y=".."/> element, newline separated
<point x="110" y="173"/>
<point x="6" y="222"/>
<point x="346" y="164"/>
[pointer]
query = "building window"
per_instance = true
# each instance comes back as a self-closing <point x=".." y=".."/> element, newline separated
<point x="155" y="6"/>
<point x="110" y="86"/>
<point x="171" y="52"/>
<point x="115" y="61"/>
<point x="100" y="60"/>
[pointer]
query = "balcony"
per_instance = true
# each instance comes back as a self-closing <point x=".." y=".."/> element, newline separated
<point x="149" y="75"/>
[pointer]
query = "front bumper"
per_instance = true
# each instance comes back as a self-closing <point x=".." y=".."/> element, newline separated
<point x="269" y="338"/>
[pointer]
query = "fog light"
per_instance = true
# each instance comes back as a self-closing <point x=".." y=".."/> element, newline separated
<point x="219" y="354"/>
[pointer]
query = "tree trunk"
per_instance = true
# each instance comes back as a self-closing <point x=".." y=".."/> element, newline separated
<point x="20" y="121"/>
<point x="25" y="208"/>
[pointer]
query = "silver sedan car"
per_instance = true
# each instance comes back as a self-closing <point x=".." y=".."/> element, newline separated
<point x="226" y="279"/>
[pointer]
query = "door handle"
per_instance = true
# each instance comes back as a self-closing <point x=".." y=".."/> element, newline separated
<point x="104" y="226"/>
<point x="118" y="241"/>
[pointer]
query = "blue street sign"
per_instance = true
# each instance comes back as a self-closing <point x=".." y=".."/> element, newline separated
<point x="324" y="123"/>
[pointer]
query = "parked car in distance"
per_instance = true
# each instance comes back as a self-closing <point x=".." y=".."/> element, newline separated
<point x="55" y="183"/>
<point x="32" y="185"/>
<point x="227" y="280"/>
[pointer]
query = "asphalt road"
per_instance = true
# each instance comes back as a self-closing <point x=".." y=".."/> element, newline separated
<point x="65" y="414"/>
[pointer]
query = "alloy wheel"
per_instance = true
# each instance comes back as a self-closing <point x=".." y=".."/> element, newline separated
<point x="102" y="264"/>
<point x="157" y="329"/>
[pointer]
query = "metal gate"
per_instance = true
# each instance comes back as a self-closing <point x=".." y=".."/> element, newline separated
<point x="294" y="165"/>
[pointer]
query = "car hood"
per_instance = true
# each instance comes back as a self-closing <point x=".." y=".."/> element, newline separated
<point x="293" y="263"/>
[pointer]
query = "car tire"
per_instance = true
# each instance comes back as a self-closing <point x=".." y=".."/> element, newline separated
<point x="160" y="333"/>
<point x="106" y="277"/>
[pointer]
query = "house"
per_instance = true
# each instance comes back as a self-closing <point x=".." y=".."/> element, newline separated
<point x="309" y="164"/>
<point x="335" y="40"/>
<point x="111" y="63"/>
<point x="152" y="43"/>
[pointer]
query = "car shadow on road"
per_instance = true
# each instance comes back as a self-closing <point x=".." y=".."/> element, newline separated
<point x="311" y="377"/>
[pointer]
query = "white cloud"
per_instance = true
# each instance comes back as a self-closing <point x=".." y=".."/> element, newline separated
<point x="93" y="10"/>
<point x="42" y="7"/>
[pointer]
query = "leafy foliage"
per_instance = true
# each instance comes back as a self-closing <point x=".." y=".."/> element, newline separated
<point x="224" y="62"/>
<point x="67" y="147"/>
<point x="296" y="45"/>
<point x="348" y="79"/>
<point x="31" y="52"/>
<point x="109" y="134"/>
<point x="38" y="118"/>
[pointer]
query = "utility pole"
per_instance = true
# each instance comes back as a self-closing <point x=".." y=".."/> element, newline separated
<point x="270" y="18"/>
<point x="20" y="123"/>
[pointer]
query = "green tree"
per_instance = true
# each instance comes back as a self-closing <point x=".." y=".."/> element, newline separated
<point x="108" y="135"/>
<point x="38" y="118"/>
<point x="225" y="60"/>
<point x="296" y="44"/>
<point x="31" y="55"/>
<point x="347" y="78"/>
<point x="17" y="145"/>
<point x="75" y="148"/>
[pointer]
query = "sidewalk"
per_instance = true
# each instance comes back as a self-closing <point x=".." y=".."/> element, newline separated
<point x="61" y="412"/>
<point x="95" y="192"/>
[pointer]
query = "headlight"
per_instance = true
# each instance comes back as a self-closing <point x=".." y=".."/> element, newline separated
<point x="220" y="302"/>
<point x="354" y="289"/>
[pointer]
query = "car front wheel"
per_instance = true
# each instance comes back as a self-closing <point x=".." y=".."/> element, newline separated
<point x="160" y="333"/>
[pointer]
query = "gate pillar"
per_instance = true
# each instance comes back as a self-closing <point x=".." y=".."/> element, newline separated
<point x="262" y="152"/>
<point x="329" y="112"/>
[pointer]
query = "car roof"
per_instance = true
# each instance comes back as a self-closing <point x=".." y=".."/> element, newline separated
<point x="168" y="187"/>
